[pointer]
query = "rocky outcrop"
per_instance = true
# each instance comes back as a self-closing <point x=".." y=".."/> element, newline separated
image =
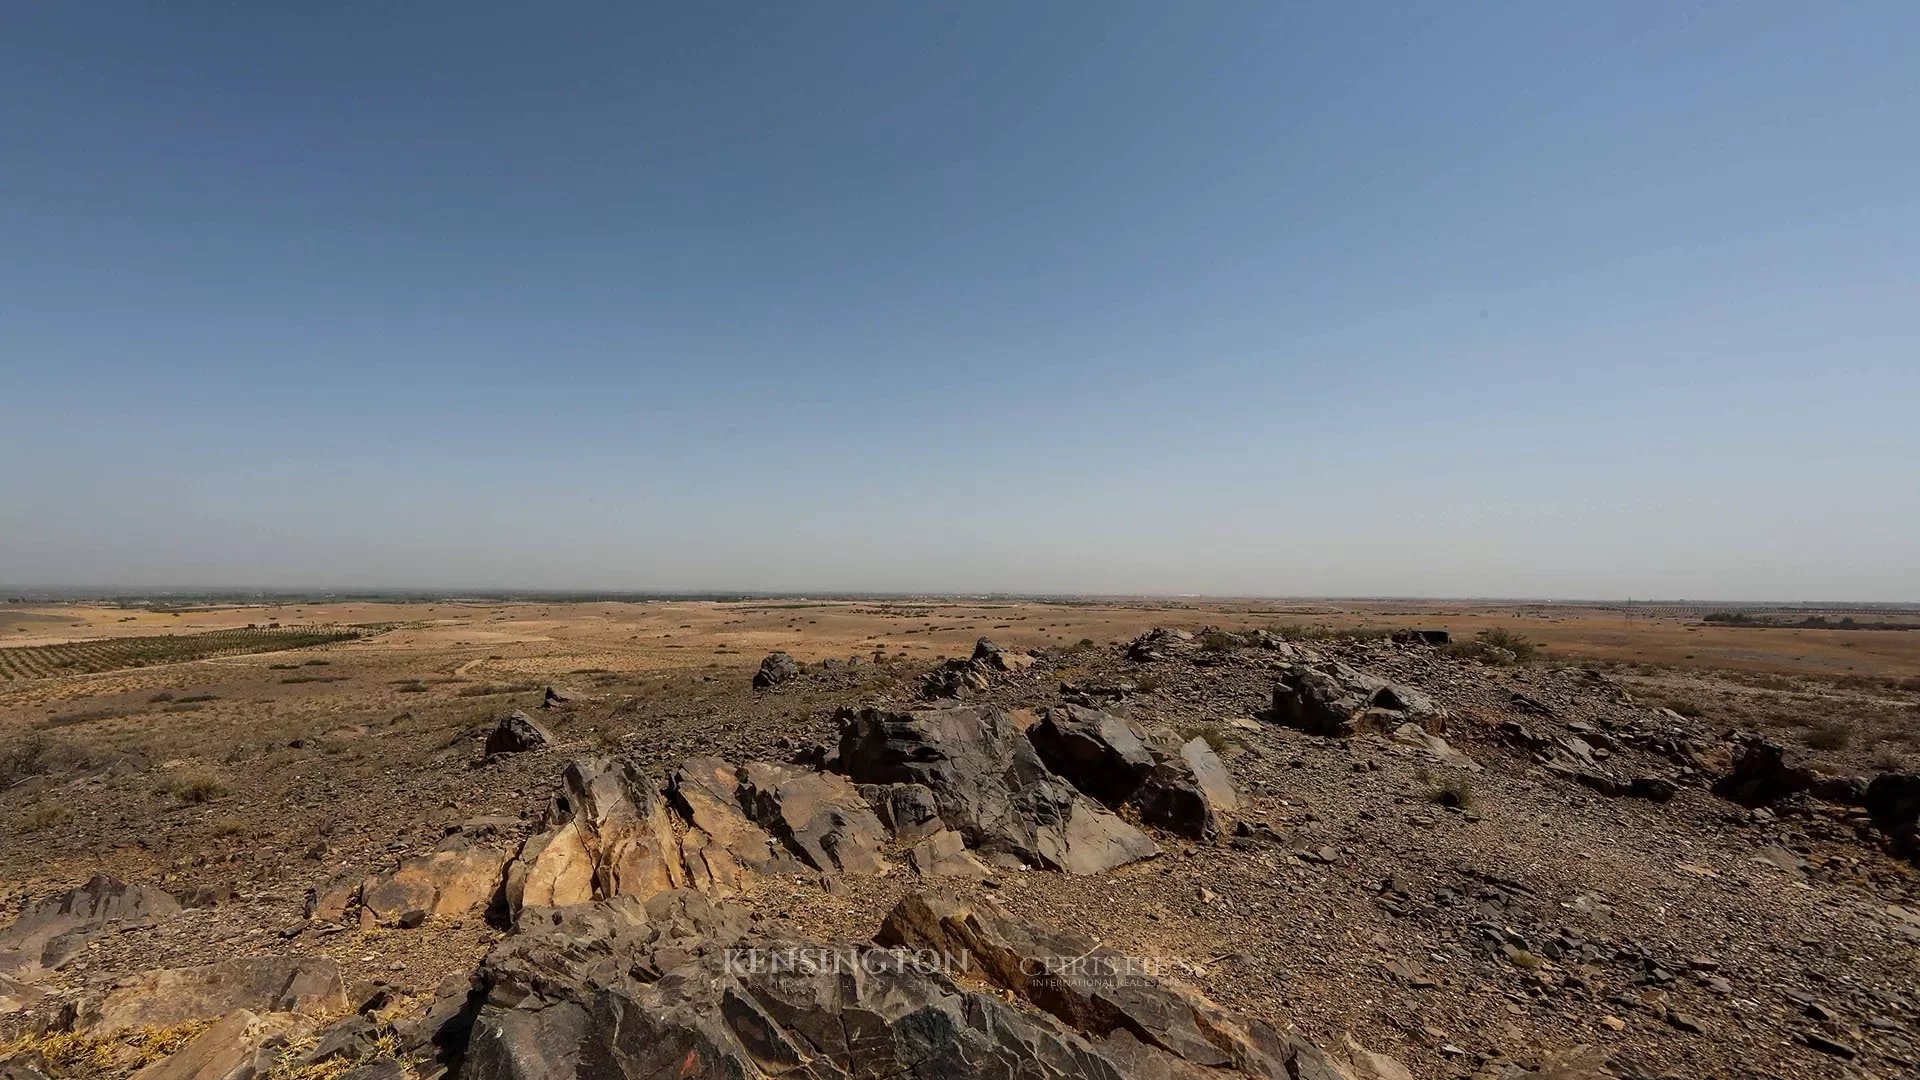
<point x="1334" y="699"/>
<point x="1184" y="788"/>
<point x="48" y="934"/>
<point x="517" y="733"/>
<point x="819" y="816"/>
<point x="679" y="986"/>
<point x="1102" y="754"/>
<point x="776" y="669"/>
<point x="608" y="835"/>
<point x="1134" y="1018"/>
<point x="1188" y="791"/>
<point x="721" y="847"/>
<point x="1160" y="643"/>
<point x="306" y="985"/>
<point x="1893" y="800"/>
<point x="1760" y="773"/>
<point x="988" y="655"/>
<point x="989" y="785"/>
<point x="974" y="675"/>
<point x="461" y="876"/>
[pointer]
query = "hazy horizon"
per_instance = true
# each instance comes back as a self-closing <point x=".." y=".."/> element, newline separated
<point x="1231" y="300"/>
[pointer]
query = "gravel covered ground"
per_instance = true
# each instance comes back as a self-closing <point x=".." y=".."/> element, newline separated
<point x="1459" y="911"/>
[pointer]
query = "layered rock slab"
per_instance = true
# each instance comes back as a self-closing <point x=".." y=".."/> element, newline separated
<point x="989" y="784"/>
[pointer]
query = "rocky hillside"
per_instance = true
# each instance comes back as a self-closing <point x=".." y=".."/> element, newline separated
<point x="1196" y="855"/>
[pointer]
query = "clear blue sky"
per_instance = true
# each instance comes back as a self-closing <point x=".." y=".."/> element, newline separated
<point x="1594" y="299"/>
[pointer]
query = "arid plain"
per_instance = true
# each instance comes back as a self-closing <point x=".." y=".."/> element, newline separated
<point x="1350" y="901"/>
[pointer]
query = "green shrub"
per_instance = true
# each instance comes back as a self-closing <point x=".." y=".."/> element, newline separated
<point x="194" y="789"/>
<point x="1499" y="637"/>
<point x="1453" y="791"/>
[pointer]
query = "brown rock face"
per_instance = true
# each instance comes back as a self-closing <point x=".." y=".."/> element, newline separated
<point x="610" y="836"/>
<point x="461" y="877"/>
<point x="169" y="996"/>
<point x="721" y="847"/>
<point x="945" y="854"/>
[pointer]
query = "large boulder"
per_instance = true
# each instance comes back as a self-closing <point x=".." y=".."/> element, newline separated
<point x="53" y="931"/>
<point x="1760" y="773"/>
<point x="307" y="985"/>
<point x="1893" y="799"/>
<point x="1102" y="754"/>
<point x="819" y="816"/>
<point x="990" y="786"/>
<point x="994" y="658"/>
<point x="777" y="668"/>
<point x="721" y="847"/>
<point x="909" y="811"/>
<point x="517" y="733"/>
<point x="461" y="876"/>
<point x="609" y="834"/>
<point x="1187" y="791"/>
<point x="1334" y="699"/>
<point x="1160" y="643"/>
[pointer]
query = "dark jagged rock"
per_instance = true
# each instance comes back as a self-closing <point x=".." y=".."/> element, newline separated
<point x="1334" y="699"/>
<point x="777" y="668"/>
<point x="1187" y="791"/>
<point x="1102" y="754"/>
<point x="1760" y="773"/>
<point x="559" y="697"/>
<point x="1843" y="790"/>
<point x="974" y="675"/>
<point x="517" y="733"/>
<point x="957" y="679"/>
<point x="909" y="811"/>
<point x="991" y="786"/>
<point x="988" y="655"/>
<point x="1160" y="643"/>
<point x="1657" y="789"/>
<point x="681" y="987"/>
<point x="1893" y="800"/>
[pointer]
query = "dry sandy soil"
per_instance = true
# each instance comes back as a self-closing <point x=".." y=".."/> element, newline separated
<point x="257" y="777"/>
